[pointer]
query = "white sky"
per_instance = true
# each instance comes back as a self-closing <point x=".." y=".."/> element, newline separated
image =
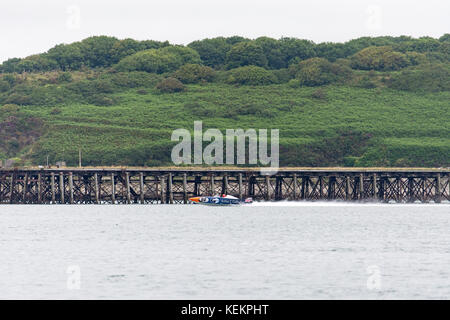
<point x="34" y="26"/>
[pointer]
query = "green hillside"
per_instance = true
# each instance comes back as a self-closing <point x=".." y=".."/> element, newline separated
<point x="368" y="102"/>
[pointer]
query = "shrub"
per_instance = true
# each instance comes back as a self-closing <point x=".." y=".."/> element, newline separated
<point x="350" y="161"/>
<point x="402" y="162"/>
<point x="18" y="98"/>
<point x="102" y="86"/>
<point x="134" y="79"/>
<point x="250" y="109"/>
<point x="91" y="87"/>
<point x="294" y="83"/>
<point x="158" y="60"/>
<point x="183" y="54"/>
<point x="319" y="71"/>
<point x="148" y="61"/>
<point x="416" y="58"/>
<point x="9" y="109"/>
<point x="142" y="92"/>
<point x="16" y="162"/>
<point x="11" y="79"/>
<point x="282" y="75"/>
<point x="170" y="85"/>
<point x="17" y="130"/>
<point x="251" y="75"/>
<point x="193" y="73"/>
<point x="127" y="47"/>
<point x="427" y="78"/>
<point x="379" y="58"/>
<point x="4" y="86"/>
<point x="31" y="94"/>
<point x="199" y="110"/>
<point x="319" y="94"/>
<point x="55" y="111"/>
<point x="346" y="63"/>
<point x="366" y="82"/>
<point x="101" y="100"/>
<point x="64" y="77"/>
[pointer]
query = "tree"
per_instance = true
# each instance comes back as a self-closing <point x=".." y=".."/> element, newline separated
<point x="236" y="39"/>
<point x="36" y="63"/>
<point x="292" y="48"/>
<point x="416" y="58"/>
<point x="213" y="52"/>
<point x="272" y="50"/>
<point x="423" y="44"/>
<point x="68" y="57"/>
<point x="445" y="38"/>
<point x="246" y="54"/>
<point x="97" y="51"/>
<point x="152" y="44"/>
<point x="9" y="66"/>
<point x="124" y="48"/>
<point x="332" y="51"/>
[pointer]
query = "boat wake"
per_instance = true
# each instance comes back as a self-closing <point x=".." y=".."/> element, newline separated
<point x="286" y="203"/>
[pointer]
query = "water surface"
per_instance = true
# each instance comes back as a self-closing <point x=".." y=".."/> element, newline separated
<point x="263" y="251"/>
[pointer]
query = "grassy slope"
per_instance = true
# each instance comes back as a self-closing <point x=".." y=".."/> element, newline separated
<point x="403" y="125"/>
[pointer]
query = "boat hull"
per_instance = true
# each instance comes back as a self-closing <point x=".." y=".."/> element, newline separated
<point x="216" y="201"/>
<point x="219" y="201"/>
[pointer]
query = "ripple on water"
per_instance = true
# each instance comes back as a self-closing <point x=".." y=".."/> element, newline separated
<point x="296" y="251"/>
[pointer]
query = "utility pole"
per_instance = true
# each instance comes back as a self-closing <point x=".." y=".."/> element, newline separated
<point x="79" y="157"/>
<point x="47" y="161"/>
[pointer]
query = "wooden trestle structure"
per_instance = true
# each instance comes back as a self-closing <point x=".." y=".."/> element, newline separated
<point x="156" y="185"/>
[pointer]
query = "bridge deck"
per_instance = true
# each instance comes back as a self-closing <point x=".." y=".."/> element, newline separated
<point x="176" y="184"/>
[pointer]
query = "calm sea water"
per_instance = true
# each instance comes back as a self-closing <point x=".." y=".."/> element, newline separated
<point x="263" y="251"/>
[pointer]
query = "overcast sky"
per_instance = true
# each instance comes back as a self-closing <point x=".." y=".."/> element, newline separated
<point x="34" y="26"/>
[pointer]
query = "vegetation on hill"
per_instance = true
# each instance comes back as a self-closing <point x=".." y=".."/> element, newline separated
<point x="380" y="101"/>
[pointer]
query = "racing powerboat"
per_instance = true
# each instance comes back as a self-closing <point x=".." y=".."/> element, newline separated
<point x="223" y="200"/>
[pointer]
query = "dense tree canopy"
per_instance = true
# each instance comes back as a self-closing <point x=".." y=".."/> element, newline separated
<point x="295" y="49"/>
<point x="272" y="50"/>
<point x="93" y="52"/>
<point x="213" y="52"/>
<point x="245" y="54"/>
<point x="266" y="60"/>
<point x="332" y="51"/>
